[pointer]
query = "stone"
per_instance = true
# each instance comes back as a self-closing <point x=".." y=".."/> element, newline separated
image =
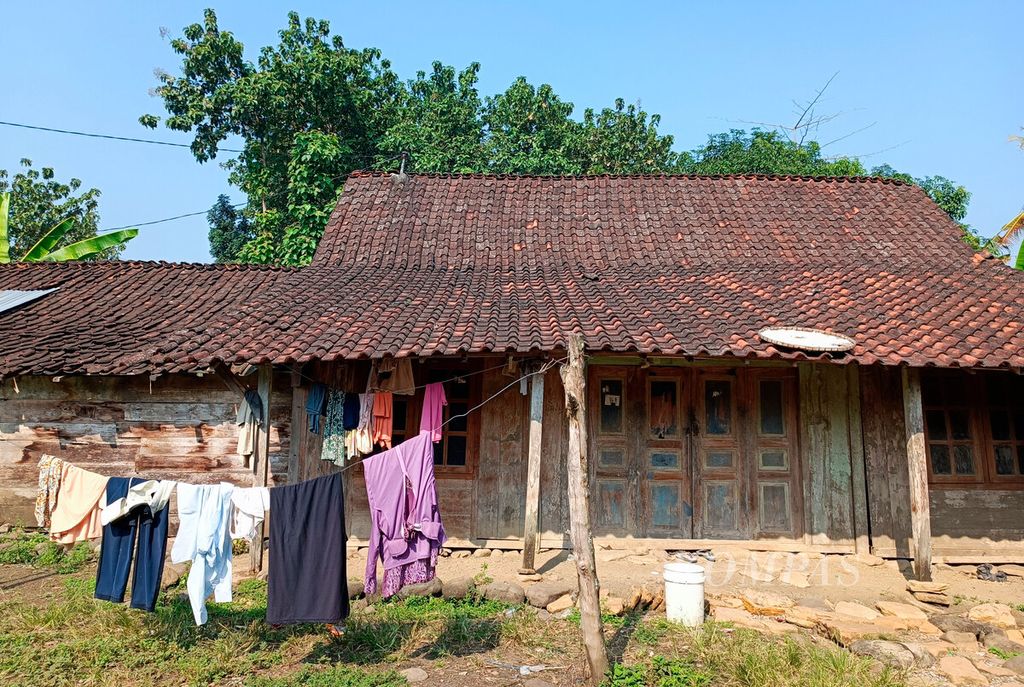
<point x="5" y="528"/>
<point x="543" y="593"/>
<point x="927" y="628"/>
<point x="41" y="548"/>
<point x="923" y="658"/>
<point x="928" y="587"/>
<point x="172" y="574"/>
<point x="1002" y="643"/>
<point x="816" y="603"/>
<point x="530" y="577"/>
<point x="758" y="575"/>
<point x="868" y="559"/>
<point x="890" y="653"/>
<point x="355" y="588"/>
<point x="804" y="617"/>
<point x="458" y="587"/>
<point x="1015" y="636"/>
<point x="614" y="605"/>
<point x="542" y="614"/>
<point x="432" y="588"/>
<point x="509" y="592"/>
<point x="537" y="682"/>
<point x="1016" y="664"/>
<point x="1013" y="570"/>
<point x="852" y="609"/>
<point x="936" y="648"/>
<point x="966" y="642"/>
<point x="900" y="610"/>
<point x="658" y="601"/>
<point x="950" y="622"/>
<point x="727" y="600"/>
<point x="643" y="560"/>
<point x="413" y="675"/>
<point x="796" y="579"/>
<point x="760" y="602"/>
<point x="612" y="555"/>
<point x="481" y="553"/>
<point x="632" y="600"/>
<point x="994" y="670"/>
<point x="845" y="632"/>
<point x="934" y="598"/>
<point x="660" y="554"/>
<point x="999" y="615"/>
<point x="961" y="671"/>
<point x="460" y="553"/>
<point x="562" y="603"/>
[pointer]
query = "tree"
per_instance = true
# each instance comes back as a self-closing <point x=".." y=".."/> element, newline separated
<point x="39" y="202"/>
<point x="230" y="230"/>
<point x="764" y="152"/>
<point x="622" y="140"/>
<point x="46" y="250"/>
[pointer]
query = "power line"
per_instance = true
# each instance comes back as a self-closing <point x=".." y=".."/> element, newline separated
<point x="107" y="136"/>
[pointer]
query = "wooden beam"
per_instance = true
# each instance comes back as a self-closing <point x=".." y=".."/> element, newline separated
<point x="298" y="425"/>
<point x="262" y="460"/>
<point x="578" y="472"/>
<point x="532" y="518"/>
<point x="862" y="539"/>
<point x="920" y="516"/>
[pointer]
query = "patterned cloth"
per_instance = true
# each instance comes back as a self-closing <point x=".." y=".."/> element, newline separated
<point x="49" y="485"/>
<point x="333" y="427"/>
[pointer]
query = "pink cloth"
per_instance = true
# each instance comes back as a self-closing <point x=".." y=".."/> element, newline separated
<point x="406" y="531"/>
<point x="434" y="401"/>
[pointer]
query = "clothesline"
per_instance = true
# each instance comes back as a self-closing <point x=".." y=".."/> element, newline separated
<point x="543" y="369"/>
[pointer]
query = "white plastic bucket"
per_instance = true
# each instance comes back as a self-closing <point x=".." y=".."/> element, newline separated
<point x="684" y="593"/>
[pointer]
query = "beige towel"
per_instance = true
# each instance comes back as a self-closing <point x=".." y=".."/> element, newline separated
<point x="77" y="514"/>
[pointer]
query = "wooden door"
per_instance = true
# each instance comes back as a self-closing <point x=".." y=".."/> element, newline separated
<point x="613" y="435"/>
<point x="721" y="500"/>
<point x="665" y="457"/>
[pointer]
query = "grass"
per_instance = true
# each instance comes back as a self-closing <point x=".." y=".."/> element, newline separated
<point x="22" y="548"/>
<point x="1001" y="654"/>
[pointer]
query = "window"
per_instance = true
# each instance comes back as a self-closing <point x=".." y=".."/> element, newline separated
<point x="612" y="406"/>
<point x="974" y="426"/>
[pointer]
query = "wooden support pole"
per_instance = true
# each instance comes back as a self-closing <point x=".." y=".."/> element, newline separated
<point x="262" y="460"/>
<point x="920" y="516"/>
<point x="530" y="526"/>
<point x="578" y="472"/>
<point x="295" y="457"/>
<point x="862" y="541"/>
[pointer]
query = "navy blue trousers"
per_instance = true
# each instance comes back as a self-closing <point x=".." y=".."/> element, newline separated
<point x="146" y="528"/>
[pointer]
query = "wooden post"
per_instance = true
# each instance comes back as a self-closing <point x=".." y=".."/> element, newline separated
<point x="262" y="460"/>
<point x="858" y="480"/>
<point x="920" y="516"/>
<point x="298" y="426"/>
<point x="533" y="474"/>
<point x="578" y="473"/>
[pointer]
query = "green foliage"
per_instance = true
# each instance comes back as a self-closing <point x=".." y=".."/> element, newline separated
<point x="230" y="230"/>
<point x="45" y="249"/>
<point x="21" y="548"/>
<point x="336" y="676"/>
<point x="39" y="206"/>
<point x="1002" y="654"/>
<point x="659" y="672"/>
<point x="763" y="152"/>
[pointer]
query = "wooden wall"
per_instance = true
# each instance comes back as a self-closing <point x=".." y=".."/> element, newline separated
<point x="965" y="522"/>
<point x="825" y="447"/>
<point x="180" y="427"/>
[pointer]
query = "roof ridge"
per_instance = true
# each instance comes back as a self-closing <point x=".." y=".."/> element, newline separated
<point x="359" y="173"/>
<point x="155" y="264"/>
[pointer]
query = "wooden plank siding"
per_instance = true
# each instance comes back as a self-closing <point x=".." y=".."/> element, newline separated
<point x="181" y="427"/>
<point x="825" y="448"/>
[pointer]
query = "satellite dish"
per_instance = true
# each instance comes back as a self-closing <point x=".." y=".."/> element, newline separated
<point x="806" y="339"/>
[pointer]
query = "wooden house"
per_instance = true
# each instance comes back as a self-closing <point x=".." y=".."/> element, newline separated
<point x="909" y="444"/>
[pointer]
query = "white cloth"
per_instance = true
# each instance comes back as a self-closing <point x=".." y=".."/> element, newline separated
<point x="152" y="493"/>
<point x="251" y="504"/>
<point x="204" y="537"/>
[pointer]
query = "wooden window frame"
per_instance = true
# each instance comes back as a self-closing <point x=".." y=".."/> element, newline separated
<point x="978" y="410"/>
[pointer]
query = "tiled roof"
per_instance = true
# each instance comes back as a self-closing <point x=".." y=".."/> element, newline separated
<point x="873" y="260"/>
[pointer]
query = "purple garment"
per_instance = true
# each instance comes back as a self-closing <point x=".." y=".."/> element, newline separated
<point x="433" y="402"/>
<point x="406" y="531"/>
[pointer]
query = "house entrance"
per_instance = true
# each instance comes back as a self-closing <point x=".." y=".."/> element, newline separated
<point x="694" y="453"/>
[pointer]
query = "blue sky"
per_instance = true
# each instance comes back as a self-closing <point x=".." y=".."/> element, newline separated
<point x="939" y="81"/>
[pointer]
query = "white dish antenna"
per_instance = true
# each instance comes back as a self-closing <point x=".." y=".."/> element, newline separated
<point x="806" y="339"/>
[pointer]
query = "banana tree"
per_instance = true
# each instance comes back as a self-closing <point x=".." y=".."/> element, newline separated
<point x="46" y="249"/>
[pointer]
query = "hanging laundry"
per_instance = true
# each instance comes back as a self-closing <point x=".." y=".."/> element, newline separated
<point x="49" y="484"/>
<point x="316" y="399"/>
<point x="382" y="418"/>
<point x="76" y="517"/>
<point x="333" y="427"/>
<point x="204" y="537"/>
<point x="134" y="521"/>
<point x="251" y="504"/>
<point x="351" y="414"/>
<point x="307" y="582"/>
<point x="249" y="420"/>
<point x="434" y="401"/>
<point x="406" y="531"/>
<point x="360" y="441"/>
<point x="394" y="375"/>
